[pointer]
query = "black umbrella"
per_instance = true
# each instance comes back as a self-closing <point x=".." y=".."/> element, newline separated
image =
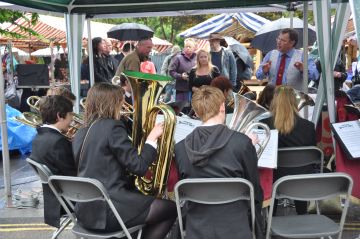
<point x="130" y="32"/>
<point x="265" y="38"/>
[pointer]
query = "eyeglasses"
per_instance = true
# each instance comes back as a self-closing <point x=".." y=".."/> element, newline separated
<point x="281" y="40"/>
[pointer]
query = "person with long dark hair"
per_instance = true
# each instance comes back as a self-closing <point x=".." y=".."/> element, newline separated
<point x="104" y="152"/>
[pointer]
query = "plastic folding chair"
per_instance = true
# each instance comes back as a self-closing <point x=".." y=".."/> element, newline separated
<point x="308" y="187"/>
<point x="79" y="189"/>
<point x="214" y="191"/>
<point x="300" y="156"/>
<point x="44" y="173"/>
<point x="291" y="157"/>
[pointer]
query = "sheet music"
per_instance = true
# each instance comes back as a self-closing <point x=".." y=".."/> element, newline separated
<point x="349" y="133"/>
<point x="268" y="159"/>
<point x="184" y="126"/>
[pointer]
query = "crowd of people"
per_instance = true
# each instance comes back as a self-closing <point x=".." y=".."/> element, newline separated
<point x="101" y="149"/>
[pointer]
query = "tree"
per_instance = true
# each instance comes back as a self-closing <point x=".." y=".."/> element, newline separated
<point x="10" y="16"/>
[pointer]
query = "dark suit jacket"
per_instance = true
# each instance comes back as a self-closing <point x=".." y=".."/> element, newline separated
<point x="109" y="157"/>
<point x="237" y="159"/>
<point x="54" y="150"/>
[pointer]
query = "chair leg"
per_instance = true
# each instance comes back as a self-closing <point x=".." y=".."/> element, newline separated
<point x="139" y="234"/>
<point x="64" y="224"/>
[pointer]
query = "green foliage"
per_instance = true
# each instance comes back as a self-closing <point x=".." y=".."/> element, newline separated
<point x="10" y="16"/>
<point x="166" y="28"/>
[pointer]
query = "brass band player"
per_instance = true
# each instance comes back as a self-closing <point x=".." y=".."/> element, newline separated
<point x="52" y="148"/>
<point x="104" y="152"/>
<point x="293" y="131"/>
<point x="211" y="151"/>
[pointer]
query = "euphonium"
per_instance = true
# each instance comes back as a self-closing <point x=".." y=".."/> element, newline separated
<point x="245" y="111"/>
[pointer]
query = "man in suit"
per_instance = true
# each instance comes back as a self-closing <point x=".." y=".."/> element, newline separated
<point x="284" y="65"/>
<point x="52" y="148"/>
<point x="212" y="150"/>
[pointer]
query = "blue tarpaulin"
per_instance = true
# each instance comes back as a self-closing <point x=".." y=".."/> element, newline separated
<point x="20" y="135"/>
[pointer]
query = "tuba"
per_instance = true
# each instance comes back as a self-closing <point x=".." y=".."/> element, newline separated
<point x="146" y="91"/>
<point x="245" y="111"/>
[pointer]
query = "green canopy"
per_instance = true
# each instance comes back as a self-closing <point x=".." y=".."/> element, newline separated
<point x="92" y="7"/>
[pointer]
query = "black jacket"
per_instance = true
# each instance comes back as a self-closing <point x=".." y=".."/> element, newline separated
<point x="54" y="150"/>
<point x="218" y="152"/>
<point x="109" y="157"/>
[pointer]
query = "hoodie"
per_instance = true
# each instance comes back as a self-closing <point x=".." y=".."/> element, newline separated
<point x="205" y="141"/>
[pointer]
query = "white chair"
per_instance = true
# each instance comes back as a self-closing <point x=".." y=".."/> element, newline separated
<point x="308" y="187"/>
<point x="79" y="189"/>
<point x="44" y="173"/>
<point x="214" y="191"/>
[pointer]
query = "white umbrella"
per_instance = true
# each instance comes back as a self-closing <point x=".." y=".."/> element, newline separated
<point x="265" y="38"/>
<point x="47" y="51"/>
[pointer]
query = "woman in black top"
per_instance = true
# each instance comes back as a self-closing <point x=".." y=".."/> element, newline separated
<point x="293" y="131"/>
<point x="204" y="71"/>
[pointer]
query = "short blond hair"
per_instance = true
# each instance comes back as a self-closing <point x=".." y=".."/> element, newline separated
<point x="190" y="40"/>
<point x="206" y="102"/>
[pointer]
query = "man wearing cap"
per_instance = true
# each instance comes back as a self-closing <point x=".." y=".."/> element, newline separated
<point x="222" y="58"/>
<point x="284" y="65"/>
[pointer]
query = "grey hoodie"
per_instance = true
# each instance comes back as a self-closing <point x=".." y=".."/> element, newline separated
<point x="205" y="141"/>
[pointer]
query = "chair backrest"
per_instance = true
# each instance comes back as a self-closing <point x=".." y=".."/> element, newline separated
<point x="41" y="169"/>
<point x="308" y="187"/>
<point x="214" y="191"/>
<point x="300" y="156"/>
<point x="79" y="189"/>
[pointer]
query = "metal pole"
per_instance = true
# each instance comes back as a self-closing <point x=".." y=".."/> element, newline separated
<point x="305" y="56"/>
<point x="4" y="141"/>
<point x="90" y="54"/>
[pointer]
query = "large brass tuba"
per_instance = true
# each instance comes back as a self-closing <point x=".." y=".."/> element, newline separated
<point x="146" y="90"/>
<point x="155" y="181"/>
<point x="245" y="111"/>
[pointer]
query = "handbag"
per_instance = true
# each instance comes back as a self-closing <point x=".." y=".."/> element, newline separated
<point x="356" y="77"/>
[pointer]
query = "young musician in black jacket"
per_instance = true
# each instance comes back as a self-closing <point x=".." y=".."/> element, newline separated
<point x="214" y="151"/>
<point x="105" y="153"/>
<point x="52" y="148"/>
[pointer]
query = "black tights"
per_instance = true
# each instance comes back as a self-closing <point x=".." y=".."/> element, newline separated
<point x="160" y="219"/>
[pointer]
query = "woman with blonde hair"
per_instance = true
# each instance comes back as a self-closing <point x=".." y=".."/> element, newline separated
<point x="204" y="71"/>
<point x="104" y="152"/>
<point x="293" y="131"/>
